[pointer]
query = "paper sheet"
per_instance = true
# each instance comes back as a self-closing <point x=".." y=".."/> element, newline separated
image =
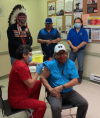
<point x="68" y="20"/>
<point x="60" y="7"/>
<point x="88" y="29"/>
<point x="54" y="20"/>
<point x="63" y="34"/>
<point x="92" y="6"/>
<point x="93" y="21"/>
<point x="84" y="18"/>
<point x="51" y="8"/>
<point x="95" y="33"/>
<point x="68" y="7"/>
<point x="32" y="68"/>
<point x="77" y="15"/>
<point x="78" y="6"/>
<point x="68" y="28"/>
<point x="59" y="21"/>
<point x="59" y="28"/>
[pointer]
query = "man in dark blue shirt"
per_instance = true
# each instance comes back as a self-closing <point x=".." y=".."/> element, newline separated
<point x="48" y="37"/>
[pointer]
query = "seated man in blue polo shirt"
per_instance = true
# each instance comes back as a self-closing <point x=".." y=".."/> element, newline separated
<point x="48" y="37"/>
<point x="59" y="77"/>
<point x="77" y="39"/>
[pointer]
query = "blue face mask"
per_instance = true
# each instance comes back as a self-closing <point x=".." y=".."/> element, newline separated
<point x="77" y="25"/>
<point x="30" y="59"/>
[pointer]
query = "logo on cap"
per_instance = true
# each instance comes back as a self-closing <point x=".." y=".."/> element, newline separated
<point x="59" y="46"/>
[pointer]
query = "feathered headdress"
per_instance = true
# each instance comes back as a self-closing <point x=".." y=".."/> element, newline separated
<point x="14" y="14"/>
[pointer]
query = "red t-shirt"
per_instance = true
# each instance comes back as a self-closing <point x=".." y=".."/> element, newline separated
<point x="17" y="89"/>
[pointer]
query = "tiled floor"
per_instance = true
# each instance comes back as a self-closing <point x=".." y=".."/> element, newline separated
<point x="89" y="90"/>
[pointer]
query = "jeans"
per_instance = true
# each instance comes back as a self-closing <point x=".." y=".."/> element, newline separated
<point x="12" y="60"/>
<point x="80" y="58"/>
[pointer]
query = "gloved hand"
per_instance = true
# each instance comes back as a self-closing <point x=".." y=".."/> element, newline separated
<point x="42" y="65"/>
<point x="39" y="68"/>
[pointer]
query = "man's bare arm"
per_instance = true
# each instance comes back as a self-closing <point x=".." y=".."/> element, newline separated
<point x="81" y="44"/>
<point x="43" y="41"/>
<point x="70" y="44"/>
<point x="32" y="63"/>
<point x="56" y="40"/>
<point x="72" y="83"/>
<point x="30" y="82"/>
<point x="44" y="76"/>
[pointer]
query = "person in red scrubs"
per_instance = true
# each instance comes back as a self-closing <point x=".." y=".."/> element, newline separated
<point x="24" y="90"/>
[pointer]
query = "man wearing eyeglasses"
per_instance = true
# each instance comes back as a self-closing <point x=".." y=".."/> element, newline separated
<point x="48" y="37"/>
<point x="59" y="77"/>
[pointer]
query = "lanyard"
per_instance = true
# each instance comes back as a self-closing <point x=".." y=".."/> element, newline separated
<point x="22" y="37"/>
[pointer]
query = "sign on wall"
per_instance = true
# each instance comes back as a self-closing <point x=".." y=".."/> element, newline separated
<point x="91" y="6"/>
<point x="93" y="21"/>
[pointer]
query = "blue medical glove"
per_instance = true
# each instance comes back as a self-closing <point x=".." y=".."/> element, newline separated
<point x="39" y="68"/>
<point x="42" y="65"/>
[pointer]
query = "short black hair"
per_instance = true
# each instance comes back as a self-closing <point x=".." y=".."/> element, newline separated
<point x="79" y="19"/>
<point x="23" y="49"/>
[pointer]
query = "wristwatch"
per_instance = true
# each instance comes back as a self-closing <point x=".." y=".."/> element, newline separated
<point x="64" y="86"/>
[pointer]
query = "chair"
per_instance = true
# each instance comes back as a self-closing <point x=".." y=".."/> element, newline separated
<point x="7" y="110"/>
<point x="65" y="105"/>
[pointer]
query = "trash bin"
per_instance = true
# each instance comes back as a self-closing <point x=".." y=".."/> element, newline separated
<point x="37" y="56"/>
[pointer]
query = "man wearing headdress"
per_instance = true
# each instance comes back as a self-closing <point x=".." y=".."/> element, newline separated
<point x="18" y="32"/>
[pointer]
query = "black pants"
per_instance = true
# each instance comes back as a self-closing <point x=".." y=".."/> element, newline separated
<point x="74" y="98"/>
<point x="47" y="55"/>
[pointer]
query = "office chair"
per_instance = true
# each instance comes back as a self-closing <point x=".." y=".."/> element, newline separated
<point x="7" y="110"/>
<point x="65" y="105"/>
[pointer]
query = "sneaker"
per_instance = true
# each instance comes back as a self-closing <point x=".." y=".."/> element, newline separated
<point x="29" y="112"/>
<point x="31" y="116"/>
